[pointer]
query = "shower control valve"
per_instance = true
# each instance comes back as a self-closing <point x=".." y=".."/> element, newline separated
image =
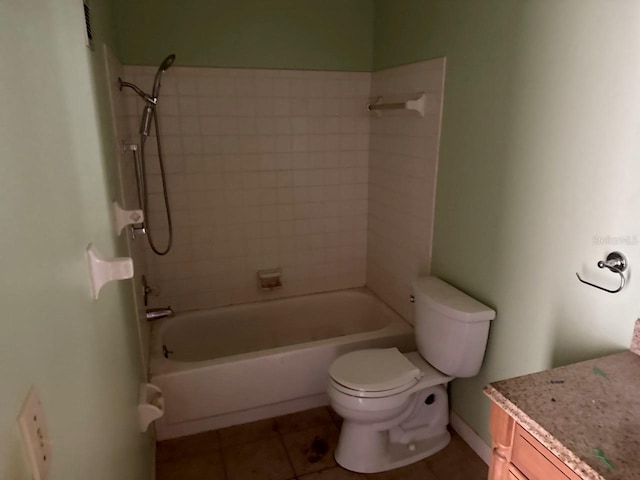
<point x="148" y="290"/>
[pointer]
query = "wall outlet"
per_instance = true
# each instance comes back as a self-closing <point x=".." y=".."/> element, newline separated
<point x="35" y="438"/>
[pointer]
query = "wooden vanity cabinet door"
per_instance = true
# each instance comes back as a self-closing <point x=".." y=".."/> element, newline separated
<point x="516" y="455"/>
<point x="535" y="461"/>
<point x="515" y="474"/>
<point x="502" y="428"/>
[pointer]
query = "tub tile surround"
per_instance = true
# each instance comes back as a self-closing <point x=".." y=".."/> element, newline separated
<point x="402" y="178"/>
<point x="271" y="168"/>
<point x="265" y="168"/>
<point x="298" y="445"/>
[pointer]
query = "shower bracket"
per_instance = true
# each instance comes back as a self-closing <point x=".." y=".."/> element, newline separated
<point x="137" y="230"/>
<point x="129" y="146"/>
<point x="124" y="218"/>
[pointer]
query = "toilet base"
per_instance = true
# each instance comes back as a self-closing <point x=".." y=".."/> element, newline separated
<point x="377" y="455"/>
<point x="416" y="433"/>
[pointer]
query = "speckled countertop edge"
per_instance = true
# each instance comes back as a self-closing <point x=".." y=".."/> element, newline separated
<point x="635" y="340"/>
<point x="544" y="437"/>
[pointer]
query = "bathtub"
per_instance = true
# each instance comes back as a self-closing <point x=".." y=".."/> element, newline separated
<point x="242" y="363"/>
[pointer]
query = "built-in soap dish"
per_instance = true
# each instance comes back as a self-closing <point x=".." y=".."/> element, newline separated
<point x="269" y="279"/>
<point x="150" y="405"/>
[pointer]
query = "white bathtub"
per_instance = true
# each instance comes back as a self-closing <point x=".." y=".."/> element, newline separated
<point x="242" y="363"/>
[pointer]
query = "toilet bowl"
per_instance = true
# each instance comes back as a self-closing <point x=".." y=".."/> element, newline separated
<point x="412" y="416"/>
<point x="395" y="405"/>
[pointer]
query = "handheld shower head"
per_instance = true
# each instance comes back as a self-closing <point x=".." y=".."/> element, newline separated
<point x="164" y="66"/>
<point x="151" y="100"/>
<point x="167" y="62"/>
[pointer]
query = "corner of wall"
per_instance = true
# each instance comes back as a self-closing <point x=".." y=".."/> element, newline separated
<point x="402" y="181"/>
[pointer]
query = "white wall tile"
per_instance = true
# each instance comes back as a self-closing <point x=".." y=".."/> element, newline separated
<point x="402" y="177"/>
<point x="286" y="168"/>
<point x="265" y="168"/>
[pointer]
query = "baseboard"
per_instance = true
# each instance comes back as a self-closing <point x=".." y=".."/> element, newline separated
<point x="166" y="431"/>
<point x="470" y="437"/>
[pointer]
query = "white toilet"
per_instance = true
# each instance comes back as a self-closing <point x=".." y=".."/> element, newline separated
<point x="395" y="405"/>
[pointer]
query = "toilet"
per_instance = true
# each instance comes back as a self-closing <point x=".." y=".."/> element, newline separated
<point x="395" y="405"/>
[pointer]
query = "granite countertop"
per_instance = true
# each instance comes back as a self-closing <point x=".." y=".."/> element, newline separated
<point x="587" y="414"/>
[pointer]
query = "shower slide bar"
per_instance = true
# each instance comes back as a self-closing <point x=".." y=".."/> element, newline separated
<point x="417" y="105"/>
<point x="137" y="161"/>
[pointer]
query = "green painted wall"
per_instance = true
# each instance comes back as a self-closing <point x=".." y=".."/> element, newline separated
<point x="297" y="34"/>
<point x="540" y="153"/>
<point x="56" y="182"/>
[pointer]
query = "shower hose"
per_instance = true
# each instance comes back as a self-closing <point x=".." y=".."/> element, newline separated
<point x="145" y="191"/>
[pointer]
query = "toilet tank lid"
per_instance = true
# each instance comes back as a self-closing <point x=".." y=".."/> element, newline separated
<point x="450" y="301"/>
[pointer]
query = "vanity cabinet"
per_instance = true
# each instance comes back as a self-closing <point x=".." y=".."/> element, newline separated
<point x="516" y="455"/>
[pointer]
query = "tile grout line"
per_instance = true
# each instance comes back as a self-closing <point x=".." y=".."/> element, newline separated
<point x="286" y="452"/>
<point x="432" y="464"/>
<point x="429" y="469"/>
<point x="222" y="456"/>
<point x="281" y="435"/>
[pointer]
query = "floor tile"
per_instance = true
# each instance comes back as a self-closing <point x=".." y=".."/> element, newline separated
<point x="337" y="419"/>
<point x="306" y="443"/>
<point x="193" y="444"/>
<point x="415" y="471"/>
<point x="296" y="422"/>
<point x="312" y="450"/>
<point x="249" y="432"/>
<point x="457" y="461"/>
<point x="263" y="460"/>
<point x="337" y="473"/>
<point x="200" y="466"/>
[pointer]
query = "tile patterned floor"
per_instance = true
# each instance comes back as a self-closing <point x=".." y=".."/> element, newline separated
<point x="297" y="446"/>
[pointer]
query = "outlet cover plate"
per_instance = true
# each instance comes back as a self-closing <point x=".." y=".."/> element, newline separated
<point x="35" y="437"/>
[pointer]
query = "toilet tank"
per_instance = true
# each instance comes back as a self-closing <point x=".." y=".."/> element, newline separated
<point x="451" y="327"/>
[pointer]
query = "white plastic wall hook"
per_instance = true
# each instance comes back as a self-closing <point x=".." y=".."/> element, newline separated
<point x="126" y="217"/>
<point x="150" y="405"/>
<point x="418" y="104"/>
<point x="104" y="270"/>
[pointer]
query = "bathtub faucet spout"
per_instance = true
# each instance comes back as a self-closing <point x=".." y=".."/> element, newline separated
<point x="158" y="313"/>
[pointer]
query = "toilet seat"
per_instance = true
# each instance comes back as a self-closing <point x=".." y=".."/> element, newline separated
<point x="364" y="394"/>
<point x="372" y="373"/>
